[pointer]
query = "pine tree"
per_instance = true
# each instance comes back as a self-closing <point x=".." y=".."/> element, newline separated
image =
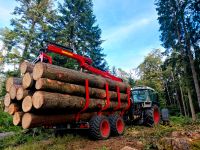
<point x="76" y="27"/>
<point x="30" y="26"/>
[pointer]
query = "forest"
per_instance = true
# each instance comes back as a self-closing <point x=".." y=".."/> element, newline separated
<point x="174" y="73"/>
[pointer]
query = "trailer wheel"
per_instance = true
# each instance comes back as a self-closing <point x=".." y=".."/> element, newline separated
<point x="117" y="124"/>
<point x="99" y="127"/>
<point x="152" y="116"/>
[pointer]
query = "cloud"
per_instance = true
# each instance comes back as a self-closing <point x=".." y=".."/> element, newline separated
<point x="121" y="32"/>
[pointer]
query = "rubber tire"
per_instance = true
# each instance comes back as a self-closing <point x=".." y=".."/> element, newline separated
<point x="149" y="116"/>
<point x="113" y="123"/>
<point x="94" y="129"/>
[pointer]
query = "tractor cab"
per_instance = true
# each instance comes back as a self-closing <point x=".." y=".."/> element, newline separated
<point x="144" y="106"/>
<point x="145" y="96"/>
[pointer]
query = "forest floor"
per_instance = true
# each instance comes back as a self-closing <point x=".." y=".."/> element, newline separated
<point x="180" y="134"/>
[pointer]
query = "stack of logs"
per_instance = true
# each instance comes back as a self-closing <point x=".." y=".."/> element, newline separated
<point x="47" y="95"/>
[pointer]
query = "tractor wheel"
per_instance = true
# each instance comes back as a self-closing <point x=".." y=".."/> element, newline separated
<point x="99" y="127"/>
<point x="117" y="124"/>
<point x="152" y="116"/>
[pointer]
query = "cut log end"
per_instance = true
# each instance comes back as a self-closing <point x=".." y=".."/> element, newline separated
<point x="27" y="80"/>
<point x="26" y="120"/>
<point x="13" y="92"/>
<point x="9" y="83"/>
<point x="38" y="100"/>
<point x="7" y="100"/>
<point x="17" y="118"/>
<point x="13" y="108"/>
<point x="20" y="93"/>
<point x="23" y="67"/>
<point x="27" y="104"/>
<point x="38" y="71"/>
<point x="38" y="84"/>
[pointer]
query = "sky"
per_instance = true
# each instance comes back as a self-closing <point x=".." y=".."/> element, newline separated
<point x="130" y="29"/>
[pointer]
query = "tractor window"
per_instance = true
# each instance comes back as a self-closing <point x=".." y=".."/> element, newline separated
<point x="139" y="95"/>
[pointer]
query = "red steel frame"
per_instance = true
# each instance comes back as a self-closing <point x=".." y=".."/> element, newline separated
<point x="83" y="61"/>
<point x="86" y="64"/>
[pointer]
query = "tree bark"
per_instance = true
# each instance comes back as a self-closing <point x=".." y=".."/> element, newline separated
<point x="27" y="81"/>
<point x="183" y="101"/>
<point x="72" y="89"/>
<point x="22" y="93"/>
<point x="26" y="67"/>
<point x="191" y="106"/>
<point x="13" y="91"/>
<point x="42" y="70"/>
<point x="30" y="120"/>
<point x="68" y="103"/>
<point x="17" y="118"/>
<point x="13" y="108"/>
<point x="11" y="81"/>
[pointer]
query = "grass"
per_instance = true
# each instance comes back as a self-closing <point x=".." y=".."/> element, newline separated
<point x="44" y="139"/>
<point x="6" y="124"/>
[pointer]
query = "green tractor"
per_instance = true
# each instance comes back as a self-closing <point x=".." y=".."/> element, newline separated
<point x="144" y="107"/>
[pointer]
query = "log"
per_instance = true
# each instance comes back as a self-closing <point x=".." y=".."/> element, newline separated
<point x="44" y="70"/>
<point x="13" y="91"/>
<point x="26" y="67"/>
<point x="46" y="100"/>
<point x="27" y="81"/>
<point x="22" y="93"/>
<point x="30" y="120"/>
<point x="17" y="118"/>
<point x="7" y="100"/>
<point x="5" y="109"/>
<point x="27" y="104"/>
<point x="11" y="81"/>
<point x="72" y="89"/>
<point x="13" y="108"/>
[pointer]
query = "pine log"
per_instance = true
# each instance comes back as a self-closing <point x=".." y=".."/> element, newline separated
<point x="30" y="120"/>
<point x="5" y="109"/>
<point x="26" y="67"/>
<point x="61" y="87"/>
<point x="27" y="104"/>
<point x="27" y="81"/>
<point x="22" y="93"/>
<point x="7" y="100"/>
<point x="11" y="81"/>
<point x="47" y="100"/>
<point x="44" y="70"/>
<point x="13" y="91"/>
<point x="13" y="108"/>
<point x="17" y="118"/>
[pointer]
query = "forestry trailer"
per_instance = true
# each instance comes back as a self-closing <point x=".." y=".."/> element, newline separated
<point x="52" y="96"/>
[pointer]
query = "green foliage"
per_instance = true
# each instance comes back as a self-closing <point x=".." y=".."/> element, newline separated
<point x="76" y="27"/>
<point x="6" y="123"/>
<point x="151" y="74"/>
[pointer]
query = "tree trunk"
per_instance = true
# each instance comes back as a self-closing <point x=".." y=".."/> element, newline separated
<point x="13" y="91"/>
<point x="183" y="101"/>
<point x="11" y="81"/>
<point x="72" y="89"/>
<point x="43" y="70"/>
<point x="22" y="93"/>
<point x="17" y="118"/>
<point x="26" y="67"/>
<point x="27" y="81"/>
<point x="13" y="108"/>
<point x="194" y="75"/>
<point x="191" y="106"/>
<point x="73" y="104"/>
<point x="30" y="120"/>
